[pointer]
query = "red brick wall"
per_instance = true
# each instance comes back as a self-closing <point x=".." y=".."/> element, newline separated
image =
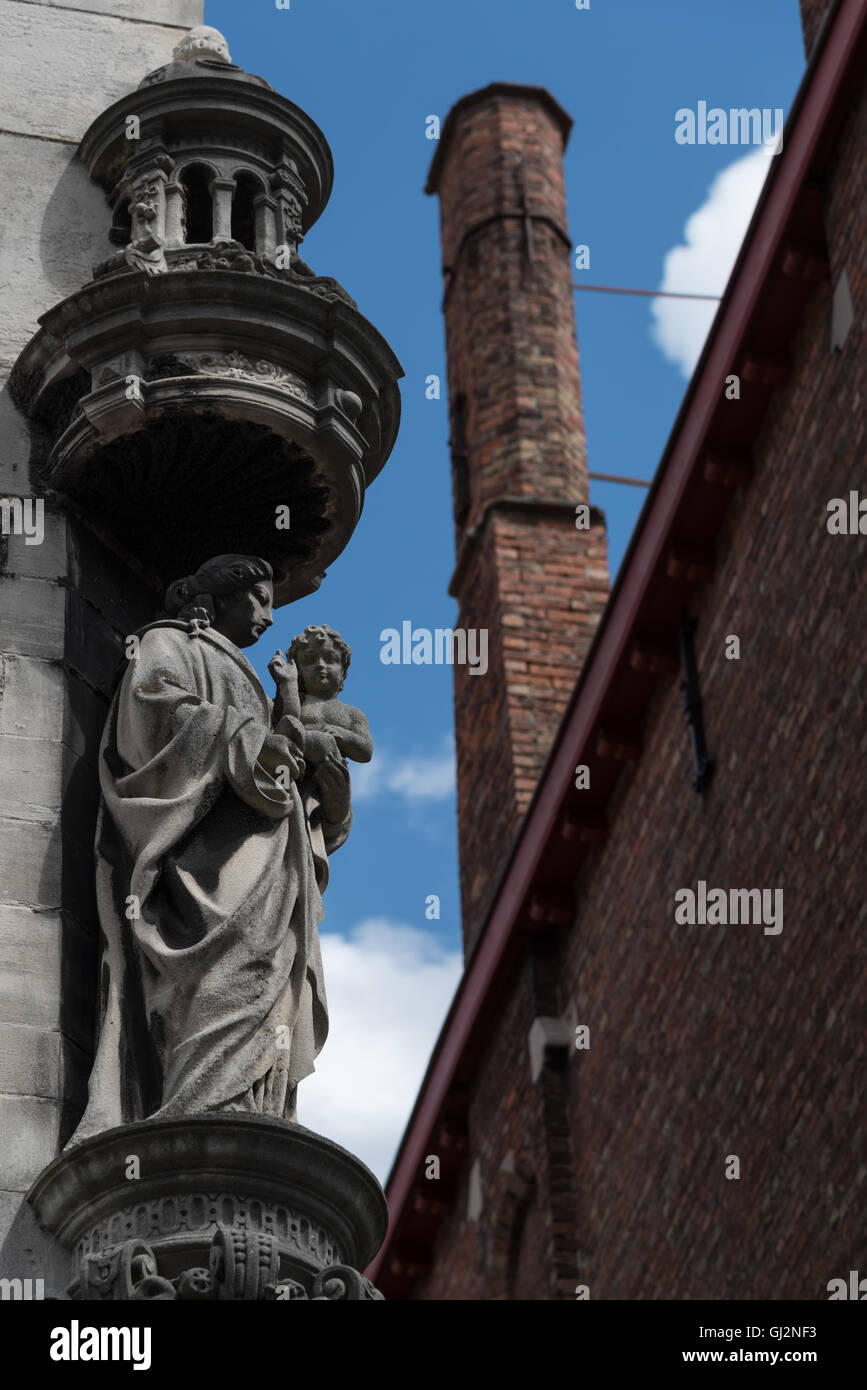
<point x="708" y="1041"/>
<point x="518" y="1249"/>
<point x="529" y="577"/>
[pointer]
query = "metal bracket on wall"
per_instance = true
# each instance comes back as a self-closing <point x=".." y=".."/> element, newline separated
<point x="703" y="765"/>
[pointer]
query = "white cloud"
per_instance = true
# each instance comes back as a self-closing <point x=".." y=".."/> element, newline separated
<point x="389" y="987"/>
<point x="428" y="777"/>
<point x="713" y="236"/>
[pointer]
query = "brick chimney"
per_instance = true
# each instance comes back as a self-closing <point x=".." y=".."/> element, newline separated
<point x="525" y="571"/>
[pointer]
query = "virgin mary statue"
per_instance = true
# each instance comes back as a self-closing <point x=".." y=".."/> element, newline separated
<point x="212" y="854"/>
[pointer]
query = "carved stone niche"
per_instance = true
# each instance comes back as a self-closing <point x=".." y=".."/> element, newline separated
<point x="208" y="380"/>
<point x="213" y="1207"/>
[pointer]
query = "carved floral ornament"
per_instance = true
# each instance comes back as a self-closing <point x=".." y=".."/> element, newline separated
<point x="236" y="366"/>
<point x="242" y="1265"/>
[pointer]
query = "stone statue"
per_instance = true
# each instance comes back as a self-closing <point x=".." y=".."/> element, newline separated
<point x="308" y="680"/>
<point x="212" y="849"/>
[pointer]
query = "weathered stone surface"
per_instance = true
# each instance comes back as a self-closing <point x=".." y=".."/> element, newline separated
<point x="184" y="13"/>
<point x="46" y="560"/>
<point x="40" y="54"/>
<point x="29" y="966"/>
<point x="30" y="1061"/>
<point x="25" y="1251"/>
<point x="10" y="1203"/>
<point x="31" y="1126"/>
<point x="40" y="778"/>
<point x="78" y="890"/>
<point x="59" y="232"/>
<point x="14" y="432"/>
<point x="40" y="700"/>
<point x="41" y="866"/>
<point x="31" y="694"/>
<point x="31" y="617"/>
<point x="48" y="973"/>
<point x="92" y="647"/>
<point x="30" y="862"/>
<point x="83" y="717"/>
<point x="31" y="778"/>
<point x="107" y="584"/>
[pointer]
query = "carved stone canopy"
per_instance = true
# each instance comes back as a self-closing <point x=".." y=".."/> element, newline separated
<point x="209" y="383"/>
<point x="186" y="410"/>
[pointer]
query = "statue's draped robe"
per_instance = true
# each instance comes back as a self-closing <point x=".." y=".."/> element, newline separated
<point x="209" y="882"/>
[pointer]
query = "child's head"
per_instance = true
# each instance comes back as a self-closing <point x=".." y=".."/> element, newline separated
<point x="322" y="658"/>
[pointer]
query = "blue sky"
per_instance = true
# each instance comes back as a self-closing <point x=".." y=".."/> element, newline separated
<point x="654" y="214"/>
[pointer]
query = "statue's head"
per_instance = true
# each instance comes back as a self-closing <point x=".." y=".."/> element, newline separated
<point x="232" y="593"/>
<point x="202" y="42"/>
<point x="322" y="658"/>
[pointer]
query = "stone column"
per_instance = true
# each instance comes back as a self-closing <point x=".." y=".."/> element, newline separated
<point x="265" y="209"/>
<point x="222" y="192"/>
<point x="175" y="206"/>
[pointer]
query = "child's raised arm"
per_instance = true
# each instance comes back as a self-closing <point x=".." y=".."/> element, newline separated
<point x="287" y="701"/>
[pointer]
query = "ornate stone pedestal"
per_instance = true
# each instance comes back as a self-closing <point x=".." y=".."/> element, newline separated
<point x="212" y="1207"/>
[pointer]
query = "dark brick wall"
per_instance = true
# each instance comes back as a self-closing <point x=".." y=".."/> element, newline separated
<point x="507" y="1253"/>
<point x="708" y="1041"/>
<point x="534" y="581"/>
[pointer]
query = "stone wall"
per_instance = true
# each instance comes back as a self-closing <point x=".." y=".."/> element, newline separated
<point x="711" y="1041"/>
<point x="66" y="604"/>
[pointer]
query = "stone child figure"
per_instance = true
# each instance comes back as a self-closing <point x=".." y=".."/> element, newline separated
<point x="309" y="679"/>
<point x="211" y="863"/>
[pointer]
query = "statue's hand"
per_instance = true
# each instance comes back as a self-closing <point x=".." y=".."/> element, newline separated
<point x="277" y="752"/>
<point x="284" y="672"/>
<point x="318" y="746"/>
<point x="332" y="786"/>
